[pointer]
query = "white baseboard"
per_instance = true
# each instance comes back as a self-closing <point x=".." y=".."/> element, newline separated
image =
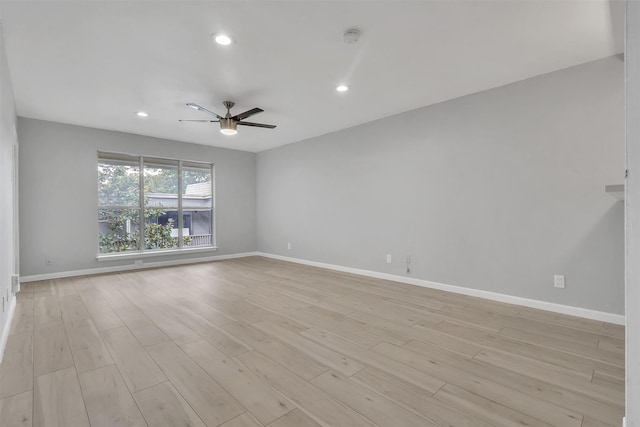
<point x="510" y="299"/>
<point x="7" y="327"/>
<point x="127" y="267"/>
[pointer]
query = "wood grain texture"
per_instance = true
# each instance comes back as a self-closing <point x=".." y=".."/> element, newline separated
<point x="370" y="358"/>
<point x="510" y="398"/>
<point x="485" y="409"/>
<point x="56" y="400"/>
<point x="295" y="418"/>
<point x="162" y="406"/>
<point x="16" y="369"/>
<point x="262" y="401"/>
<point x="327" y="357"/>
<point x="72" y="308"/>
<point x="89" y="352"/>
<point x="244" y="420"/>
<point x="416" y="399"/>
<point x="255" y="342"/>
<point x="303" y="393"/>
<point x="108" y="400"/>
<point x="367" y="402"/>
<point x="210" y="401"/>
<point x="145" y="331"/>
<point x="23" y="317"/>
<point x="51" y="349"/>
<point x="302" y="365"/>
<point x="137" y="368"/>
<point x="47" y="309"/>
<point x="17" y="410"/>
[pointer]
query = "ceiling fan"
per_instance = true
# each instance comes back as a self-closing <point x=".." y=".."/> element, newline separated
<point x="229" y="123"/>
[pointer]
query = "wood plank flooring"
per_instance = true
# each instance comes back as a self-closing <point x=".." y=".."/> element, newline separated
<point x="255" y="342"/>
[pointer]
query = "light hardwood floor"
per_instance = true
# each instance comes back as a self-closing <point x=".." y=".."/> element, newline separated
<point x="256" y="342"/>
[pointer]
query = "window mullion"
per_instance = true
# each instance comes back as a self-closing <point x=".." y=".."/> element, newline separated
<point x="180" y="219"/>
<point x="141" y="227"/>
<point x="121" y="207"/>
<point x="213" y="207"/>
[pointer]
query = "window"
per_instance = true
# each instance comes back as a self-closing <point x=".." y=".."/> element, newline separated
<point x="173" y="199"/>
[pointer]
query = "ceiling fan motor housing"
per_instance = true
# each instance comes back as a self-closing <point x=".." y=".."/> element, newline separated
<point x="228" y="123"/>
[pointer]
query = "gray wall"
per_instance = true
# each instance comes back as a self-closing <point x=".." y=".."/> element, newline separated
<point x="496" y="191"/>
<point x="58" y="193"/>
<point x="8" y="200"/>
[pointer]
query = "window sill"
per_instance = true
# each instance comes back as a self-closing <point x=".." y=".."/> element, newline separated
<point x="147" y="254"/>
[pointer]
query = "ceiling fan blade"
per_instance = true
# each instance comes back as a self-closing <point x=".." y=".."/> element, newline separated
<point x="204" y="110"/>
<point x="208" y="121"/>
<point x="247" y="114"/>
<point x="258" y="125"/>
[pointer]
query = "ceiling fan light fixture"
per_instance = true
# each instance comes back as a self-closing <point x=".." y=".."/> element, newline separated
<point x="229" y="123"/>
<point x="228" y="127"/>
<point x="222" y="39"/>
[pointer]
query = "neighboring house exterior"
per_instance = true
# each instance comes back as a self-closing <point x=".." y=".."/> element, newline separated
<point x="196" y="209"/>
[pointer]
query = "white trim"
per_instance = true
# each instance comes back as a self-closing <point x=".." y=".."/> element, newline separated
<point x="632" y="213"/>
<point x="510" y="299"/>
<point x="7" y="326"/>
<point x="112" y="256"/>
<point x="127" y="267"/>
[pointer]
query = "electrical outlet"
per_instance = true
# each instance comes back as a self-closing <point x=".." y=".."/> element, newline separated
<point x="289" y="245"/>
<point x="558" y="281"/>
<point x="388" y="258"/>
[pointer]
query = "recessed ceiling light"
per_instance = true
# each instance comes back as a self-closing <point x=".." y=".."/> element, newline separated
<point x="342" y="88"/>
<point x="142" y="114"/>
<point x="222" y="39"/>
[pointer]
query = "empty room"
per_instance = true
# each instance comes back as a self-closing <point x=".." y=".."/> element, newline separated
<point x="320" y="213"/>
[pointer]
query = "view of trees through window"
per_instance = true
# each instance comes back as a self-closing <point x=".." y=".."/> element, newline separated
<point x="174" y="202"/>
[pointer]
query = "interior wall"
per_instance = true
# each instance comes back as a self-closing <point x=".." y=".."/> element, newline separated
<point x="497" y="191"/>
<point x="58" y="194"/>
<point x="8" y="198"/>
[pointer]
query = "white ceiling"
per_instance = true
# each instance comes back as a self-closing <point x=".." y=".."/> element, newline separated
<point x="96" y="63"/>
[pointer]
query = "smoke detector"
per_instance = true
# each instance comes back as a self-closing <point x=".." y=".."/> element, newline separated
<point x="351" y="35"/>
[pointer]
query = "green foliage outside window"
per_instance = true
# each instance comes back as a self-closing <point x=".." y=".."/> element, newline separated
<point x="119" y="185"/>
<point x="157" y="236"/>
